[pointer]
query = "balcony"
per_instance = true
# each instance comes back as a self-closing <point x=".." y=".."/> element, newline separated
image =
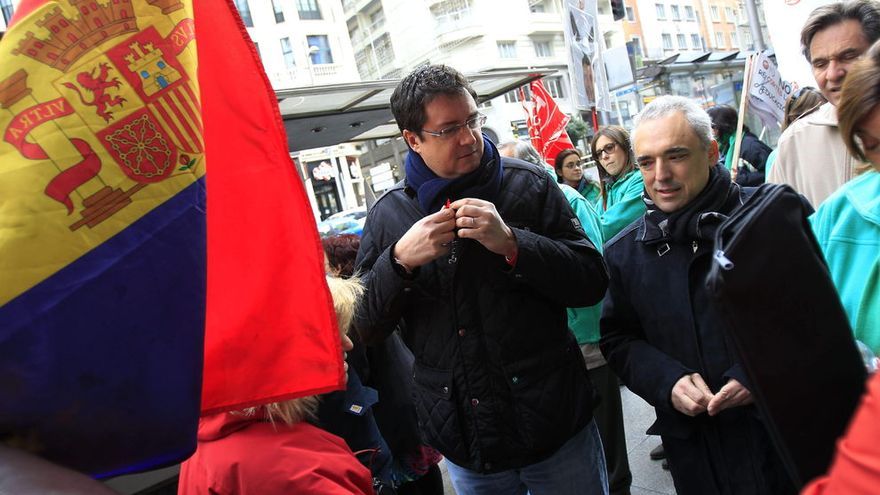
<point x="456" y="26"/>
<point x="544" y="22"/>
<point x="304" y="76"/>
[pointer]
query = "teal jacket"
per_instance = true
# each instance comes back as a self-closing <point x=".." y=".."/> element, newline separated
<point x="847" y="226"/>
<point x="584" y="322"/>
<point x="624" y="204"/>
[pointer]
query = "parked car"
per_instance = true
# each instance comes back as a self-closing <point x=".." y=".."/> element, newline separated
<point x="343" y="221"/>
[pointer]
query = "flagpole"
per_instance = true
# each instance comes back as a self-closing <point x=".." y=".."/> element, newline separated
<point x="743" y="107"/>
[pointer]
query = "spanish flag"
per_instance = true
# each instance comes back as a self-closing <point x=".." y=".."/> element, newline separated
<point x="158" y="255"/>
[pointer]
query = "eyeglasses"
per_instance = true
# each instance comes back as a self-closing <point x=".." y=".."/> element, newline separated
<point x="472" y="123"/>
<point x="577" y="164"/>
<point x="607" y="149"/>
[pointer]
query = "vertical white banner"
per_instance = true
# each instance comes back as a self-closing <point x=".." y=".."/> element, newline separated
<point x="785" y="19"/>
<point x="767" y="91"/>
<point x="589" y="84"/>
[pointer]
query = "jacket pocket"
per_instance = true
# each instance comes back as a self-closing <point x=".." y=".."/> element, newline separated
<point x="435" y="401"/>
<point x="552" y="397"/>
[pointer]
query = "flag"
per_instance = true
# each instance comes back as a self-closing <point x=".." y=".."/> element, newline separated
<point x="117" y="293"/>
<point x="767" y="91"/>
<point x="546" y="122"/>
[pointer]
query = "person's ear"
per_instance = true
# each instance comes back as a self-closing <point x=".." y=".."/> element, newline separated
<point x="412" y="140"/>
<point x="713" y="153"/>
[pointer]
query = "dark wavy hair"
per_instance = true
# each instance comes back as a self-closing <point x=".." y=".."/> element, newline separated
<point x="724" y="119"/>
<point x="866" y="12"/>
<point x="560" y="158"/>
<point x="341" y="251"/>
<point x="419" y="88"/>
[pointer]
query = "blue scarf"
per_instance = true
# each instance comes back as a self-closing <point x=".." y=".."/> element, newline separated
<point x="433" y="191"/>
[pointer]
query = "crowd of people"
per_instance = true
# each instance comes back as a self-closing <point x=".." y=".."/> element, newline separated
<point x="497" y="300"/>
<point x="502" y="298"/>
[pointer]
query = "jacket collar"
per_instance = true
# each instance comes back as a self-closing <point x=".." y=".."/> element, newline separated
<point x="864" y="195"/>
<point x="825" y="115"/>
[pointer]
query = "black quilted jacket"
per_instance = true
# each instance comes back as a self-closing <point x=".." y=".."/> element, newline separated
<point x="500" y="381"/>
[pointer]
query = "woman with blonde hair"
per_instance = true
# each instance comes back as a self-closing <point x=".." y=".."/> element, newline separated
<point x="847" y="226"/>
<point x="273" y="449"/>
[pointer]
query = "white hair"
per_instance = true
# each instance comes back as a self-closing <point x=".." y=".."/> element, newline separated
<point x="663" y="106"/>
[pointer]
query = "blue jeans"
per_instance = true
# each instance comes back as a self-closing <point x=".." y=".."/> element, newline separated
<point x="578" y="467"/>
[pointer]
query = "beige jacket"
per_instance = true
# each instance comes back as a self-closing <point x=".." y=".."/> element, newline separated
<point x="812" y="157"/>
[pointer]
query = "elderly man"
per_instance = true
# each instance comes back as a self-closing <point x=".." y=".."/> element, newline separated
<point x="480" y="255"/>
<point x="812" y="157"/>
<point x="660" y="333"/>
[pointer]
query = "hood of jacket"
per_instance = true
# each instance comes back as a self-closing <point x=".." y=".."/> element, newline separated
<point x="221" y="425"/>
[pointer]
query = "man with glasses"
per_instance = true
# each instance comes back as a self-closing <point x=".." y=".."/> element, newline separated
<point x="480" y="255"/>
<point x="812" y="157"/>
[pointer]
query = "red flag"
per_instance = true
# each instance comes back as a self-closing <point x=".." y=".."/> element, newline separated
<point x="270" y="331"/>
<point x="547" y="123"/>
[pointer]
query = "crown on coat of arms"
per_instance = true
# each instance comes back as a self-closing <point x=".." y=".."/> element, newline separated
<point x="72" y="37"/>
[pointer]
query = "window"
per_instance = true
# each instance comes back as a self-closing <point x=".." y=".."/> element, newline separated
<point x="733" y="41"/>
<point x="507" y="49"/>
<point x="667" y="41"/>
<point x="695" y="42"/>
<point x="630" y="14"/>
<point x="257" y="48"/>
<point x="377" y="19"/>
<point x="245" y="12"/>
<point x="682" y="42"/>
<point x="7" y="10"/>
<point x="689" y="12"/>
<point x="747" y="40"/>
<point x="714" y="11"/>
<point x="384" y="49"/>
<point x="513" y="96"/>
<point x="308" y="9"/>
<point x="676" y="15"/>
<point x="554" y="87"/>
<point x="543" y="49"/>
<point x="661" y="11"/>
<point x="319" y="49"/>
<point x="287" y="52"/>
<point x="719" y="40"/>
<point x="537" y="6"/>
<point x="731" y="17"/>
<point x="279" y="14"/>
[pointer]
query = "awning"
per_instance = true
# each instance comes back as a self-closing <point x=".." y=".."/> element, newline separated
<point x="320" y="116"/>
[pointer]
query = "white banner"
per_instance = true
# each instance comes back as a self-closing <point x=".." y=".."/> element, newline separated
<point x="586" y="70"/>
<point x="767" y="91"/>
<point x="785" y="19"/>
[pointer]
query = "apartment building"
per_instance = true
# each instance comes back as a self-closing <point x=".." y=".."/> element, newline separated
<point x="390" y="37"/>
<point x="669" y="27"/>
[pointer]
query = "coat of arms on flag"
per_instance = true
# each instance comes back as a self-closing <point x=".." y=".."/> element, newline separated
<point x="102" y="233"/>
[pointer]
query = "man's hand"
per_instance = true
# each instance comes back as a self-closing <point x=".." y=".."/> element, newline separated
<point x="427" y="240"/>
<point x="732" y="394"/>
<point x="479" y="220"/>
<point x="690" y="395"/>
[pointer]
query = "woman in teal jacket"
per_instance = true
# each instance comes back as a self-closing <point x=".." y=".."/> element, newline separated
<point x="570" y="171"/>
<point x="847" y="224"/>
<point x="620" y="201"/>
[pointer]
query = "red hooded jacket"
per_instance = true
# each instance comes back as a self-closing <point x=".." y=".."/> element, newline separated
<point x="246" y="455"/>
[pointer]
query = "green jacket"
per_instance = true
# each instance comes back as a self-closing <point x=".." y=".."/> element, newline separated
<point x="584" y="322"/>
<point x="624" y="204"/>
<point x="847" y="226"/>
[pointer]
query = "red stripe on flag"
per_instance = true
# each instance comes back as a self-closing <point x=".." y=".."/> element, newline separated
<point x="159" y="108"/>
<point x="172" y="103"/>
<point x="271" y="330"/>
<point x="192" y="107"/>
